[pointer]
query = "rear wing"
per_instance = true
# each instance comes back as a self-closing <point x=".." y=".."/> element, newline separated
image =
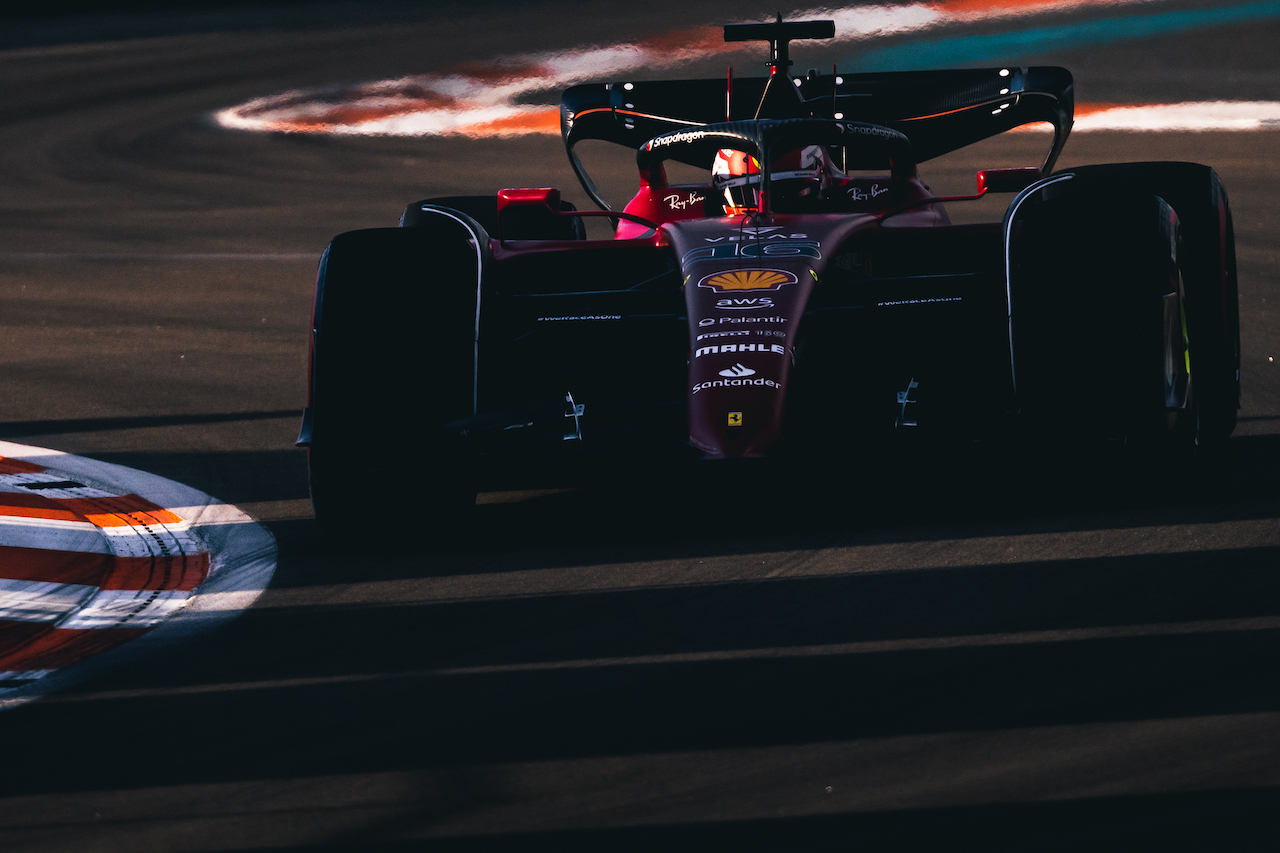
<point x="938" y="111"/>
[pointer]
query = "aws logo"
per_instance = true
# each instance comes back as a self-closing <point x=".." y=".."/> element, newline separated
<point x="735" y="280"/>
<point x="745" y="303"/>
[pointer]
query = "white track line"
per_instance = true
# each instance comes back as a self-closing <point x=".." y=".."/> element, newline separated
<point x="143" y="608"/>
<point x="40" y="601"/>
<point x="53" y="534"/>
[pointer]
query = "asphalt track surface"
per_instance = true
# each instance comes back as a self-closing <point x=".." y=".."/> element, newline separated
<point x="972" y="656"/>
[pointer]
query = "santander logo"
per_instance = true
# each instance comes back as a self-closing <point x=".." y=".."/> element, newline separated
<point x="737" y="370"/>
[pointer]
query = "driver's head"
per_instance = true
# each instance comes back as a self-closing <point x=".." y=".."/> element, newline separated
<point x="737" y="175"/>
<point x="800" y="175"/>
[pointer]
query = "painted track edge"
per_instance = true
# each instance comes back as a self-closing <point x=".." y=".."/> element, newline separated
<point x="242" y="561"/>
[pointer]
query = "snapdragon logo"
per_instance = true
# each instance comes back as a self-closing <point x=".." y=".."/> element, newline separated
<point x="673" y="138"/>
<point x="869" y="130"/>
<point x="736" y="371"/>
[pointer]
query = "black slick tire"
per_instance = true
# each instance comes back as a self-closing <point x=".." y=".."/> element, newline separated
<point x="393" y="359"/>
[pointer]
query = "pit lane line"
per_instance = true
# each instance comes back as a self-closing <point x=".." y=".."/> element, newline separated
<point x="102" y="564"/>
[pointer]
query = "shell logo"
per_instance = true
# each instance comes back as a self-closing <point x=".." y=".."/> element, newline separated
<point x="747" y="280"/>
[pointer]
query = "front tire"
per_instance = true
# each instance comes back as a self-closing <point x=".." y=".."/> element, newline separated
<point x="1208" y="266"/>
<point x="1113" y="266"/>
<point x="394" y="351"/>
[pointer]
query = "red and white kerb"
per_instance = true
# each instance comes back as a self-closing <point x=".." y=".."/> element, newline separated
<point x="83" y="571"/>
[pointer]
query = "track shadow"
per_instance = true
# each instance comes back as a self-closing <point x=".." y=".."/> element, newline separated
<point x="11" y="429"/>
<point x="1238" y="820"/>
<point x="234" y="477"/>
<point x="419" y="681"/>
<point x="355" y="689"/>
<point x="635" y="513"/>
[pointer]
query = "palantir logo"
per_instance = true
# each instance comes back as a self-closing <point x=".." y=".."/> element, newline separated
<point x="737" y="370"/>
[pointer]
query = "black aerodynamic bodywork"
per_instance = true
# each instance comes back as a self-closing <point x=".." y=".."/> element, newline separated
<point x="811" y="296"/>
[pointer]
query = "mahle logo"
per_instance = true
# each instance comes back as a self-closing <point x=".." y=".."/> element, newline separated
<point x="713" y="349"/>
<point x="734" y="280"/>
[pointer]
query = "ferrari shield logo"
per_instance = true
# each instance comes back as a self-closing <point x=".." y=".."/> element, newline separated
<point x="734" y="280"/>
<point x="735" y="419"/>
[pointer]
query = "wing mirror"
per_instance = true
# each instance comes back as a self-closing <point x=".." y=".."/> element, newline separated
<point x="1007" y="180"/>
<point x="527" y="211"/>
<point x="543" y="197"/>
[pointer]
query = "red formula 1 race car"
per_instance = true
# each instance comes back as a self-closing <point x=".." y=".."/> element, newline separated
<point x="810" y="295"/>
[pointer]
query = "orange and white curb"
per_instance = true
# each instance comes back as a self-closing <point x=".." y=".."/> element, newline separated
<point x="94" y="556"/>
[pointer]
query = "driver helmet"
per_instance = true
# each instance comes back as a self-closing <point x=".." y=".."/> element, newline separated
<point x="798" y="174"/>
<point x="737" y="175"/>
